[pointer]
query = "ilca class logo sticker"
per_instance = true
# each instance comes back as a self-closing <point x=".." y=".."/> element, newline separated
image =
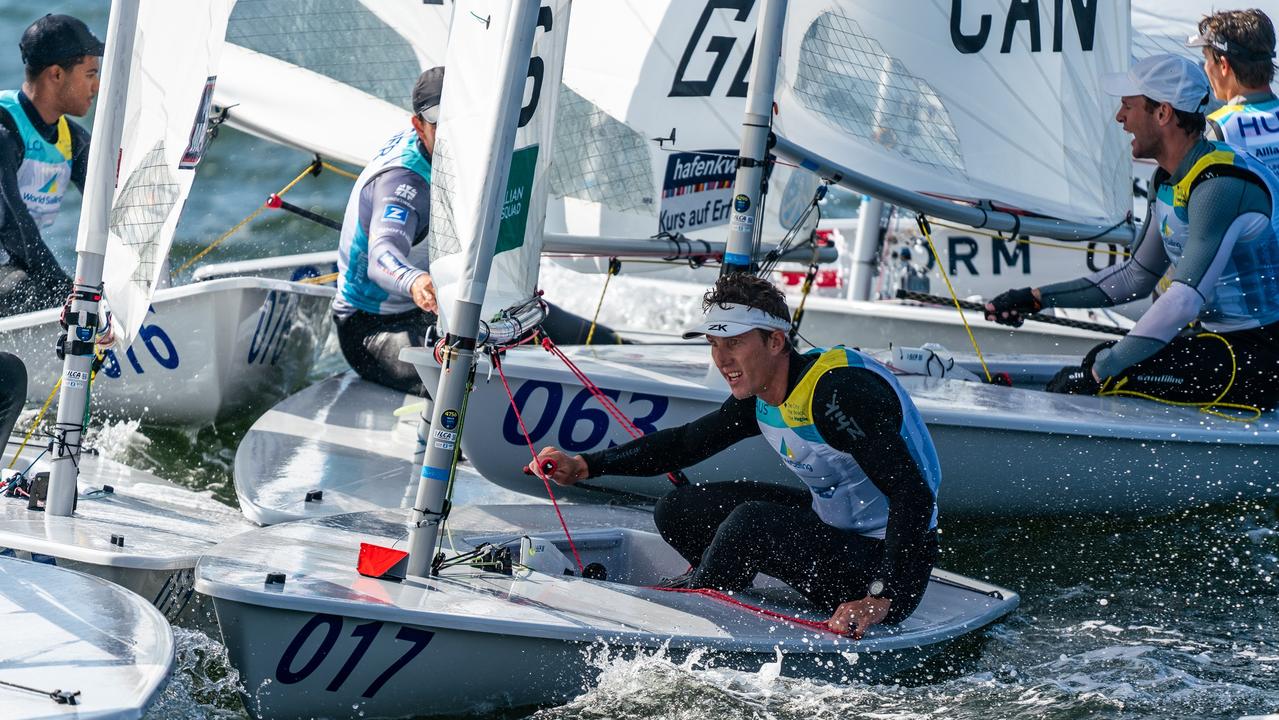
<point x="449" y="419"/>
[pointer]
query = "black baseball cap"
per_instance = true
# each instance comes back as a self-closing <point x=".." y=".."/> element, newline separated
<point x="54" y="38"/>
<point x="426" y="93"/>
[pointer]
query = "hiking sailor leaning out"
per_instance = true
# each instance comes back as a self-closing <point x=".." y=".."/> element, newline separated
<point x="1211" y="226"/>
<point x="1239" y="49"/>
<point x="861" y="540"/>
<point x="41" y="153"/>
<point x="386" y="299"/>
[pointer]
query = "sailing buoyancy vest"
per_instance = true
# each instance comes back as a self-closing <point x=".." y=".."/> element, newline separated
<point x="45" y="171"/>
<point x="843" y="495"/>
<point x="1253" y="128"/>
<point x="1247" y="292"/>
<point x="355" y="288"/>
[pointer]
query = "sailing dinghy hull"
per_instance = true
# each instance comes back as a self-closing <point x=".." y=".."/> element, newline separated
<point x="144" y="534"/>
<point x="1004" y="451"/>
<point x="209" y="350"/>
<point x="329" y="642"/>
<point x="71" y="632"/>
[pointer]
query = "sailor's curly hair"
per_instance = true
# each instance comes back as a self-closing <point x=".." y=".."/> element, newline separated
<point x="746" y="289"/>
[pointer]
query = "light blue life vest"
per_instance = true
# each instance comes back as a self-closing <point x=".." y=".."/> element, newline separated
<point x="45" y="171"/>
<point x="1247" y="293"/>
<point x="1253" y="128"/>
<point x="354" y="286"/>
<point x="843" y="496"/>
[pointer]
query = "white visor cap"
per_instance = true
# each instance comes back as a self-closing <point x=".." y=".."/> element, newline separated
<point x="1163" y="78"/>
<point x="729" y="320"/>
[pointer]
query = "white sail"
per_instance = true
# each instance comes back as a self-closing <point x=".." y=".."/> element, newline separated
<point x="333" y="77"/>
<point x="651" y="120"/>
<point x="457" y="198"/>
<point x="172" y="76"/>
<point x="979" y="100"/>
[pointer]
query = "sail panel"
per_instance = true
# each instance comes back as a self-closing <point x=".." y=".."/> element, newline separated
<point x="982" y="100"/>
<point x="172" y="77"/>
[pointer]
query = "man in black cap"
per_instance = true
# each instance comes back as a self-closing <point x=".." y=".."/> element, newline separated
<point x="41" y="152"/>
<point x="386" y="300"/>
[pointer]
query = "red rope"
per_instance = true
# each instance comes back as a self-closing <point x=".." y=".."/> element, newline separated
<point x="599" y="395"/>
<point x="718" y="595"/>
<point x="497" y="363"/>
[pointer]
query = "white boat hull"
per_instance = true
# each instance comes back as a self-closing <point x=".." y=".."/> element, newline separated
<point x="1003" y="451"/>
<point x="162" y="530"/>
<point x="70" y="632"/>
<point x="330" y="643"/>
<point x="210" y="350"/>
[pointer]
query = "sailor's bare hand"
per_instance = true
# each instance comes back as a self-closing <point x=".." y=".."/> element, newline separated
<point x="855" y="617"/>
<point x="564" y="469"/>
<point x="423" y="293"/>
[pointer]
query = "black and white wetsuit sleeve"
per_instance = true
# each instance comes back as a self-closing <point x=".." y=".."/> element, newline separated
<point x="1122" y="282"/>
<point x="19" y="234"/>
<point x="1222" y="210"/>
<point x="856" y="411"/>
<point x="678" y="447"/>
<point x="79" y="154"/>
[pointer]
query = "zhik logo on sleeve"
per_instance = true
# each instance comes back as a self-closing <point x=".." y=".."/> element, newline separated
<point x="396" y="214"/>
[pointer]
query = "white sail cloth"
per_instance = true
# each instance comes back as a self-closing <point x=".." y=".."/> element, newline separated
<point x="329" y="78"/>
<point x="459" y="194"/>
<point x="172" y="74"/>
<point x="966" y="100"/>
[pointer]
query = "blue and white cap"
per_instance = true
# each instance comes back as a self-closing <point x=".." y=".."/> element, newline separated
<point x="730" y="320"/>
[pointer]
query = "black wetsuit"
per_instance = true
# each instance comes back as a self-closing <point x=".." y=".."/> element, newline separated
<point x="13" y="393"/>
<point x="30" y="277"/>
<point x="729" y="531"/>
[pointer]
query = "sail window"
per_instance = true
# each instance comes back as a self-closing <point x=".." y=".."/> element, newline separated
<point x="141" y="208"/>
<point x="600" y="159"/>
<point x="847" y="79"/>
<point x="340" y="39"/>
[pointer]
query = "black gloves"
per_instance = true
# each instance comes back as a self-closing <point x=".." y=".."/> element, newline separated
<point x="1010" y="307"/>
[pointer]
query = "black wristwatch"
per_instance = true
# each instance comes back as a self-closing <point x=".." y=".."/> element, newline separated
<point x="879" y="589"/>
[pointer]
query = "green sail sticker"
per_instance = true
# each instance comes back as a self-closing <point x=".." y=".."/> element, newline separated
<point x="519" y="193"/>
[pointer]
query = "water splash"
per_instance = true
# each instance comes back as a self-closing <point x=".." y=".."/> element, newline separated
<point x="204" y="685"/>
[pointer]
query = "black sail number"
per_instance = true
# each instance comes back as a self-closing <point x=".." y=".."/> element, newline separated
<point x="536" y="69"/>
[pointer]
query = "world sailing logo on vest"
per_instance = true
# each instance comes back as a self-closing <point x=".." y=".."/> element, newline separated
<point x="697" y="189"/>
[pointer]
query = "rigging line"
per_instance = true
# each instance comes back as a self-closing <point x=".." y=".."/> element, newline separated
<point x="537" y="468"/>
<point x="236" y="228"/>
<point x="35" y="423"/>
<point x="725" y="597"/>
<point x="928" y="235"/>
<point x="61" y="697"/>
<point x="676" y="477"/>
<point x="614" y="267"/>
<point x="1208" y="408"/>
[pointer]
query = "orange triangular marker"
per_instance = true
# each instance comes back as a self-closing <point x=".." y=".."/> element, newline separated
<point x="382" y="562"/>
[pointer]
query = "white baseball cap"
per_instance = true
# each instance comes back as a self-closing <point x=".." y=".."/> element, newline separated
<point x="1163" y="78"/>
<point x="729" y="320"/>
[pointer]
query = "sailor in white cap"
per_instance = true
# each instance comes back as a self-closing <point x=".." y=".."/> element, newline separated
<point x="1212" y="221"/>
<point x="860" y="540"/>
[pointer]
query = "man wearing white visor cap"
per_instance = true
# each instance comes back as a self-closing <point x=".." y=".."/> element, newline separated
<point x="1212" y="338"/>
<point x="861" y="539"/>
<point x="1239" y="50"/>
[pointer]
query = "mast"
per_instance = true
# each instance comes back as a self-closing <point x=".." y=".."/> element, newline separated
<point x="91" y="243"/>
<point x="464" y="324"/>
<point x="748" y="185"/>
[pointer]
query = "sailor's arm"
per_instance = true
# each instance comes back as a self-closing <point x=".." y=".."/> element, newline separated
<point x="1221" y="210"/>
<point x="1122" y="282"/>
<point x="399" y="210"/>
<point x="19" y="234"/>
<point x="660" y="452"/>
<point x="79" y="154"/>
<point x="857" y="411"/>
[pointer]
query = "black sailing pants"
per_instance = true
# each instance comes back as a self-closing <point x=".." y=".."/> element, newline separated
<point x="730" y="531"/>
